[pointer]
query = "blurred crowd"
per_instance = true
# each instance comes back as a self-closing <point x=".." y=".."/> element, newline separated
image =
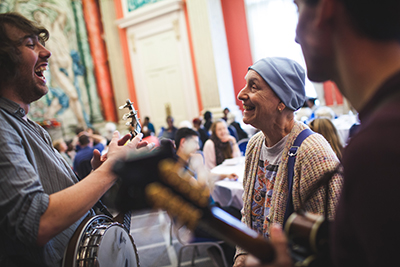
<point x="219" y="139"/>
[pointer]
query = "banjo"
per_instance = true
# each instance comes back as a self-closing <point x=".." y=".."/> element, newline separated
<point x="102" y="240"/>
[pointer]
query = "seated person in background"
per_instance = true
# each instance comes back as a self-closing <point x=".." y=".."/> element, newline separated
<point x="274" y="90"/>
<point x="311" y="103"/>
<point x="94" y="134"/>
<point x="328" y="130"/>
<point x="41" y="201"/>
<point x="148" y="136"/>
<point x="304" y="113"/>
<point x="149" y="125"/>
<point x="220" y="146"/>
<point x="71" y="152"/>
<point x="62" y="148"/>
<point x="324" y="112"/>
<point x="228" y="116"/>
<point x="170" y="131"/>
<point x="240" y="132"/>
<point x="203" y="134"/>
<point x="207" y="120"/>
<point x="82" y="165"/>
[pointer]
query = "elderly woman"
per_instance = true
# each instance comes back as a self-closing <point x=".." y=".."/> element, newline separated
<point x="274" y="90"/>
<point x="220" y="146"/>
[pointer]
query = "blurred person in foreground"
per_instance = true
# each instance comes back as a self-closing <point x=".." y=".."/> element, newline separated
<point x="274" y="90"/>
<point x="341" y="42"/>
<point x="189" y="156"/>
<point x="41" y="201"/>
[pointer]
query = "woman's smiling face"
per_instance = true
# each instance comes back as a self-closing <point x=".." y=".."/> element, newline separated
<point x="260" y="103"/>
<point x="221" y="131"/>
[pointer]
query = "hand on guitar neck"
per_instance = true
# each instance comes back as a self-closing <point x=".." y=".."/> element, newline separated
<point x="279" y="242"/>
<point x="155" y="180"/>
<point x="134" y="137"/>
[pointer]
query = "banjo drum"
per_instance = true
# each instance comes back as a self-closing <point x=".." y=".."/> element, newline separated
<point x="100" y="241"/>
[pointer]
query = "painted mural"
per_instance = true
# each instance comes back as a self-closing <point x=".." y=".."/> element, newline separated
<point x="135" y="4"/>
<point x="72" y="99"/>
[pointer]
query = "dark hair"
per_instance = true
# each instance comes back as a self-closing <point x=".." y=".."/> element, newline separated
<point x="9" y="52"/>
<point x="379" y="20"/>
<point x="183" y="133"/>
<point x="79" y="130"/>
<point x="207" y="115"/>
<point x="84" y="140"/>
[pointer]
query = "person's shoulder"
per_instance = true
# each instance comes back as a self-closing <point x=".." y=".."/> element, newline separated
<point x="208" y="145"/>
<point x="209" y="142"/>
<point x="99" y="146"/>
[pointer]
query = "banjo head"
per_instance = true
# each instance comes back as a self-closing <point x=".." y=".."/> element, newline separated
<point x="116" y="248"/>
<point x="100" y="241"/>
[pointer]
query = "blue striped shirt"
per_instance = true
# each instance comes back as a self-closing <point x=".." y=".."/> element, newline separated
<point x="30" y="170"/>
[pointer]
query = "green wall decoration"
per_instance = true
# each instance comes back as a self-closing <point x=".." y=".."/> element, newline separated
<point x="135" y="4"/>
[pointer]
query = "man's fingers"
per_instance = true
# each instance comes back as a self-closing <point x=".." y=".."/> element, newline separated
<point x="124" y="139"/>
<point x="143" y="144"/>
<point x="135" y="141"/>
<point x="278" y="236"/>
<point x="252" y="261"/>
<point x="96" y="155"/>
<point x="96" y="160"/>
<point x="279" y="240"/>
<point x="115" y="135"/>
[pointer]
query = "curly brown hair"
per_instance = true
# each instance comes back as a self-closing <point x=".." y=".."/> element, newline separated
<point x="9" y="51"/>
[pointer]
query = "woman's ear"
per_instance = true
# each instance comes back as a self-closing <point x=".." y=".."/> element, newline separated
<point x="281" y="107"/>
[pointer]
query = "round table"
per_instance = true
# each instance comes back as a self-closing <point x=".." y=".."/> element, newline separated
<point x="226" y="192"/>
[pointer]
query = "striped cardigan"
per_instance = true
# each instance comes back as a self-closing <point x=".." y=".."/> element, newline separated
<point x="314" y="158"/>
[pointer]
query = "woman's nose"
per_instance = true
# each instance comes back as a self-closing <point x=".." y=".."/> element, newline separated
<point x="242" y="94"/>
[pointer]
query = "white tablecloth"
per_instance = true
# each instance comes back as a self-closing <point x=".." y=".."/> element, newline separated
<point x="343" y="124"/>
<point x="227" y="192"/>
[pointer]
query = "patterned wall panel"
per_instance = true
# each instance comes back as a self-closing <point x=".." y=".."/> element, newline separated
<point x="72" y="98"/>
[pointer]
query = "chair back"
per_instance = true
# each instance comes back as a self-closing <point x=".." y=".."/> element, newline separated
<point x="243" y="145"/>
<point x="233" y="132"/>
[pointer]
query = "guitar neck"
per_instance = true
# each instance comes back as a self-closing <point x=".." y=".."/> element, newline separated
<point x="149" y="180"/>
<point x="228" y="228"/>
<point x="154" y="180"/>
<point x="135" y="124"/>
